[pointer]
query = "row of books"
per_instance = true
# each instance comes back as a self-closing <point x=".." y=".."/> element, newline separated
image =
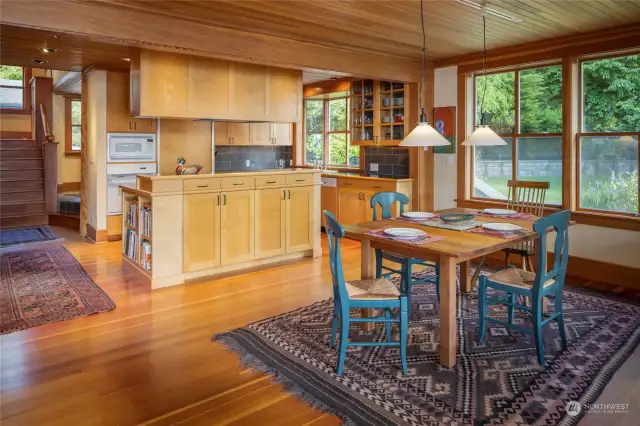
<point x="131" y="245"/>
<point x="146" y="255"/>
<point x="145" y="221"/>
<point x="132" y="215"/>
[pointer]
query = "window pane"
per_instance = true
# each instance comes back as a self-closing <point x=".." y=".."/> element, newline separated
<point x="493" y="168"/>
<point x="540" y="160"/>
<point x="354" y="156"/>
<point x="609" y="173"/>
<point x="497" y="91"/>
<point x="10" y="98"/>
<point x="338" y="149"/>
<point x="76" y="108"/>
<point x="541" y="100"/>
<point x="611" y="89"/>
<point x="313" y="115"/>
<point x="11" y="76"/>
<point x="314" y="148"/>
<point x="338" y="115"/>
<point x="75" y="138"/>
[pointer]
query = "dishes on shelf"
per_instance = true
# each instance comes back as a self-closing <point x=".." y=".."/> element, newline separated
<point x="502" y="227"/>
<point x="418" y="216"/>
<point x="499" y="212"/>
<point x="405" y="233"/>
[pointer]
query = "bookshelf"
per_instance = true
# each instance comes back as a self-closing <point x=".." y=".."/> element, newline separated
<point x="137" y="218"/>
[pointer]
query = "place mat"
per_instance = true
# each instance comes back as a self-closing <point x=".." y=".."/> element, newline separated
<point x="406" y="219"/>
<point x="515" y="216"/>
<point x="417" y="242"/>
<point x="498" y="234"/>
<point x="461" y="226"/>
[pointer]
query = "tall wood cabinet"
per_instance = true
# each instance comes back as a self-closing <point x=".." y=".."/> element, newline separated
<point x="271" y="222"/>
<point x="118" y="118"/>
<point x="300" y="211"/>
<point x="201" y="228"/>
<point x="237" y="226"/>
<point x="378" y="113"/>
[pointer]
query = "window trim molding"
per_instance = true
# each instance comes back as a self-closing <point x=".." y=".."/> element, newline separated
<point x="68" y="147"/>
<point x="27" y="74"/>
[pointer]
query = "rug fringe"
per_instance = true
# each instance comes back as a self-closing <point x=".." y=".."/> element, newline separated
<point x="255" y="364"/>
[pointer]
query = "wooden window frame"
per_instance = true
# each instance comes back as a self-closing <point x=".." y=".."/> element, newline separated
<point x="516" y="127"/>
<point x="68" y="126"/>
<point x="326" y="119"/>
<point x="26" y="94"/>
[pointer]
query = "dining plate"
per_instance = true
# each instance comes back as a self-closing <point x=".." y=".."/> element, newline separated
<point x="502" y="212"/>
<point x="502" y="227"/>
<point x="418" y="215"/>
<point x="405" y="233"/>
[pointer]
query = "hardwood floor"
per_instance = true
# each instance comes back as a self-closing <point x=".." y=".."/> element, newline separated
<point x="150" y="361"/>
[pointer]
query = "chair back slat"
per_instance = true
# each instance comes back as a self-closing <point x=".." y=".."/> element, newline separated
<point x="560" y="223"/>
<point x="335" y="233"/>
<point x="527" y="197"/>
<point x="386" y="200"/>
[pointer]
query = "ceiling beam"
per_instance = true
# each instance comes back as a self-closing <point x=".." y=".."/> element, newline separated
<point x="69" y="84"/>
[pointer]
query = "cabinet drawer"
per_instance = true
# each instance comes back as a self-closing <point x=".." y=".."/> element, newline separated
<point x="329" y="182"/>
<point x="366" y="185"/>
<point x="202" y="185"/>
<point x="300" y="179"/>
<point x="169" y="185"/>
<point x="238" y="182"/>
<point x="268" y="181"/>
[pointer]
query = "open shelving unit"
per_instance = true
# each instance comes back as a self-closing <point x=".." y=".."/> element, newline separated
<point x="137" y="223"/>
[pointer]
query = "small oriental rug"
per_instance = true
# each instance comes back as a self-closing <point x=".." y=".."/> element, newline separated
<point x="497" y="383"/>
<point x="45" y="285"/>
<point x="22" y="236"/>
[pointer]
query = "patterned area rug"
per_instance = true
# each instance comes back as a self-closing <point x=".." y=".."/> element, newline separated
<point x="43" y="286"/>
<point x="22" y="236"/>
<point x="497" y="383"/>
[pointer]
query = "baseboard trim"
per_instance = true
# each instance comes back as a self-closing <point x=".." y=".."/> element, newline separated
<point x="97" y="236"/>
<point x="585" y="269"/>
<point x="69" y="187"/>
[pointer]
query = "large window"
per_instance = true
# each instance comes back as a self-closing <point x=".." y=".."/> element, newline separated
<point x="73" y="120"/>
<point x="12" y="93"/>
<point x="327" y="139"/>
<point x="525" y="108"/>
<point x="608" y="143"/>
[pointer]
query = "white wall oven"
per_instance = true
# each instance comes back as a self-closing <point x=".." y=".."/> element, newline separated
<point x="123" y="174"/>
<point x="131" y="147"/>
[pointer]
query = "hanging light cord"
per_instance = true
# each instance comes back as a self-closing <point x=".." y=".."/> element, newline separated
<point x="484" y="62"/>
<point x="424" y="52"/>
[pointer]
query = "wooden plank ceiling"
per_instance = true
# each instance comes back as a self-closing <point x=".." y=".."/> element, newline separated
<point x="393" y="26"/>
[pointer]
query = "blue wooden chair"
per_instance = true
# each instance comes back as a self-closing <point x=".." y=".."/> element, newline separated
<point x="518" y="282"/>
<point x="376" y="293"/>
<point x="386" y="200"/>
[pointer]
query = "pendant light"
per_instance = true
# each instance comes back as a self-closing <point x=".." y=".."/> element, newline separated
<point x="483" y="135"/>
<point x="423" y="134"/>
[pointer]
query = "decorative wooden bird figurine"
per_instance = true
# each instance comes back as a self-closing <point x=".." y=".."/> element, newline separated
<point x="183" y="169"/>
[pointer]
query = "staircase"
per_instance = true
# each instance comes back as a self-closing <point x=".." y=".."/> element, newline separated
<point x="22" y="199"/>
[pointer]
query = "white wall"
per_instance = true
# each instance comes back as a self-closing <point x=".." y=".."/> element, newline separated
<point x="96" y="150"/>
<point x="68" y="166"/>
<point x="445" y="95"/>
<point x="611" y="245"/>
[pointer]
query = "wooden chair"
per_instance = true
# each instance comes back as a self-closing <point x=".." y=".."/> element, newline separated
<point x="386" y="200"/>
<point x="375" y="293"/>
<point x="518" y="282"/>
<point x="524" y="197"/>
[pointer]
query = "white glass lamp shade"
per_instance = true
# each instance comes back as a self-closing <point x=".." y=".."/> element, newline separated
<point x="424" y="135"/>
<point x="483" y="136"/>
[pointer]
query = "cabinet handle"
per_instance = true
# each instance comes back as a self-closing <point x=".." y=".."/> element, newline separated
<point x="203" y="186"/>
<point x="275" y="141"/>
<point x="375" y="186"/>
<point x="224" y="199"/>
<point x="233" y="140"/>
<point x="218" y="197"/>
<point x="134" y="125"/>
<point x="289" y="193"/>
<point x="299" y="180"/>
<point x="143" y="168"/>
<point x="229" y="138"/>
<point x="271" y="181"/>
<point x="238" y="184"/>
<point x="348" y="184"/>
<point x="284" y="194"/>
<point x="130" y="125"/>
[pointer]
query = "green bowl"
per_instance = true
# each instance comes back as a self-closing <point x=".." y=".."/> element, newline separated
<point x="456" y="217"/>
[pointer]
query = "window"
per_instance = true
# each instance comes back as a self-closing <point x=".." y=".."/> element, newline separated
<point x="610" y="128"/>
<point x="73" y="120"/>
<point x="327" y="137"/>
<point x="525" y="108"/>
<point x="13" y="95"/>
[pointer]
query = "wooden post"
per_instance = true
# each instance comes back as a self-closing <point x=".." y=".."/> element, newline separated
<point x="41" y="122"/>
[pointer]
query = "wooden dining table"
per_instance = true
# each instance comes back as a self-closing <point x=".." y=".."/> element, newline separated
<point x="457" y="248"/>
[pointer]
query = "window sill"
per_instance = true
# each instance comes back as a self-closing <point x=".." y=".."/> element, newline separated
<point x="338" y="169"/>
<point x="15" y="111"/>
<point x="72" y="153"/>
<point x="482" y="204"/>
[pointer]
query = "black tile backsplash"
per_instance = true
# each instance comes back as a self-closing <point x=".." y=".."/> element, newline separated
<point x="234" y="158"/>
<point x="392" y="162"/>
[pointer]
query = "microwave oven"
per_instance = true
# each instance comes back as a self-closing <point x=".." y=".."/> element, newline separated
<point x="131" y="147"/>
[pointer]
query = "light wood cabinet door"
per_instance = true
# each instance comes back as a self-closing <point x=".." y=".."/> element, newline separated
<point x="144" y="125"/>
<point x="284" y="100"/>
<point x="164" y="84"/>
<point x="270" y="222"/>
<point x="221" y="133"/>
<point x="240" y="133"/>
<point x="208" y="87"/>
<point x="368" y="214"/>
<point x="261" y="134"/>
<point x="300" y="214"/>
<point x="118" y="119"/>
<point x="237" y="227"/>
<point x="350" y="206"/>
<point x="248" y="91"/>
<point x="201" y="231"/>
<point x="328" y="201"/>
<point x="281" y="133"/>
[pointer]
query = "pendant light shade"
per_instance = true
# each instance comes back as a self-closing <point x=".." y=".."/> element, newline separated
<point x="483" y="136"/>
<point x="424" y="135"/>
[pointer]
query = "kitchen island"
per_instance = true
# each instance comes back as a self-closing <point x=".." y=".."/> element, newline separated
<point x="181" y="228"/>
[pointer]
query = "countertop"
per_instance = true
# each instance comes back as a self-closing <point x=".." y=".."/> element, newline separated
<point x="168" y="176"/>
<point x="359" y="176"/>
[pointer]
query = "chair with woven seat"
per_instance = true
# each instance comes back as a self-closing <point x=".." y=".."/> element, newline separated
<point x="386" y="200"/>
<point x="375" y="293"/>
<point x="518" y="282"/>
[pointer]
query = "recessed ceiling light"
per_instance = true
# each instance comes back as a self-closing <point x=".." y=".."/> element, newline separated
<point x="48" y="50"/>
<point x="38" y="61"/>
<point x="55" y="36"/>
<point x="126" y="59"/>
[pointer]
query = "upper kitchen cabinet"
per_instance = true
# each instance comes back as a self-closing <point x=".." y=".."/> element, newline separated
<point x="179" y="86"/>
<point x="118" y="118"/>
<point x="271" y="134"/>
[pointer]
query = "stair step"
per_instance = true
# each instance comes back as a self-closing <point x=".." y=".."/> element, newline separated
<point x="69" y="220"/>
<point x="21" y="154"/>
<point x="21" y="185"/>
<point x="8" y="144"/>
<point x="29" y="174"/>
<point x="31" y="163"/>
<point x="24" y="220"/>
<point x="22" y="208"/>
<point x="23" y="195"/>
